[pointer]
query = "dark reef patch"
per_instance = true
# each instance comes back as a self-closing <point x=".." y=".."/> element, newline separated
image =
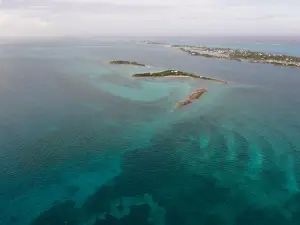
<point x="293" y="206"/>
<point x="257" y="216"/>
<point x="188" y="196"/>
<point x="13" y="220"/>
<point x="195" y="203"/>
<point x="155" y="171"/>
<point x="138" y="215"/>
<point x="72" y="190"/>
<point x="60" y="214"/>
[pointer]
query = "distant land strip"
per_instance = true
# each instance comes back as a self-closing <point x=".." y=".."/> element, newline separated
<point x="123" y="62"/>
<point x="239" y="55"/>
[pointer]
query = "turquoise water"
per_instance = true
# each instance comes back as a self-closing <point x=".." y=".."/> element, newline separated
<point x="82" y="142"/>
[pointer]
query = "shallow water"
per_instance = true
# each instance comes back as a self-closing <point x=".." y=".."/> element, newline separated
<point x="78" y="135"/>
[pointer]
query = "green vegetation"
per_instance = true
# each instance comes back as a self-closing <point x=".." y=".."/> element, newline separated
<point x="122" y="62"/>
<point x="166" y="73"/>
<point x="241" y="55"/>
<point x="176" y="73"/>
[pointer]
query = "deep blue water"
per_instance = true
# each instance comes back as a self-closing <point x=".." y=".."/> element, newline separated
<point x="82" y="142"/>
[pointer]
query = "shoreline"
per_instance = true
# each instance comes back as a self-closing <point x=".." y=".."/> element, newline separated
<point x="124" y="62"/>
<point x="239" y="55"/>
<point x="177" y="74"/>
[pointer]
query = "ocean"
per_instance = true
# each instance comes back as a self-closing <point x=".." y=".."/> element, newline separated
<point x="84" y="143"/>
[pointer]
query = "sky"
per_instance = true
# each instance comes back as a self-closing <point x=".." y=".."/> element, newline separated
<point x="21" y="18"/>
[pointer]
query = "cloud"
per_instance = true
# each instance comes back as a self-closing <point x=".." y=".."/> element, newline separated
<point x="77" y="5"/>
<point x="149" y="17"/>
<point x="14" y="24"/>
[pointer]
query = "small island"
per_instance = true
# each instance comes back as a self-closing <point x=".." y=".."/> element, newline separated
<point x="154" y="43"/>
<point x="177" y="74"/>
<point x="241" y="55"/>
<point x="123" y="62"/>
<point x="194" y="96"/>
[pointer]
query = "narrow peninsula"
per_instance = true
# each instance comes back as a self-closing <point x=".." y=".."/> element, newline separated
<point x="194" y="96"/>
<point x="241" y="55"/>
<point x="177" y="74"/>
<point x="123" y="62"/>
<point x="154" y="43"/>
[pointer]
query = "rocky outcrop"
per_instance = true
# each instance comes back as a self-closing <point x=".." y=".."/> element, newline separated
<point x="195" y="95"/>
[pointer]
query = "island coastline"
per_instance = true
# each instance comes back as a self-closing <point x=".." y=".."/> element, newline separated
<point x="177" y="74"/>
<point x="241" y="55"/>
<point x="124" y="62"/>
<point x="174" y="76"/>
